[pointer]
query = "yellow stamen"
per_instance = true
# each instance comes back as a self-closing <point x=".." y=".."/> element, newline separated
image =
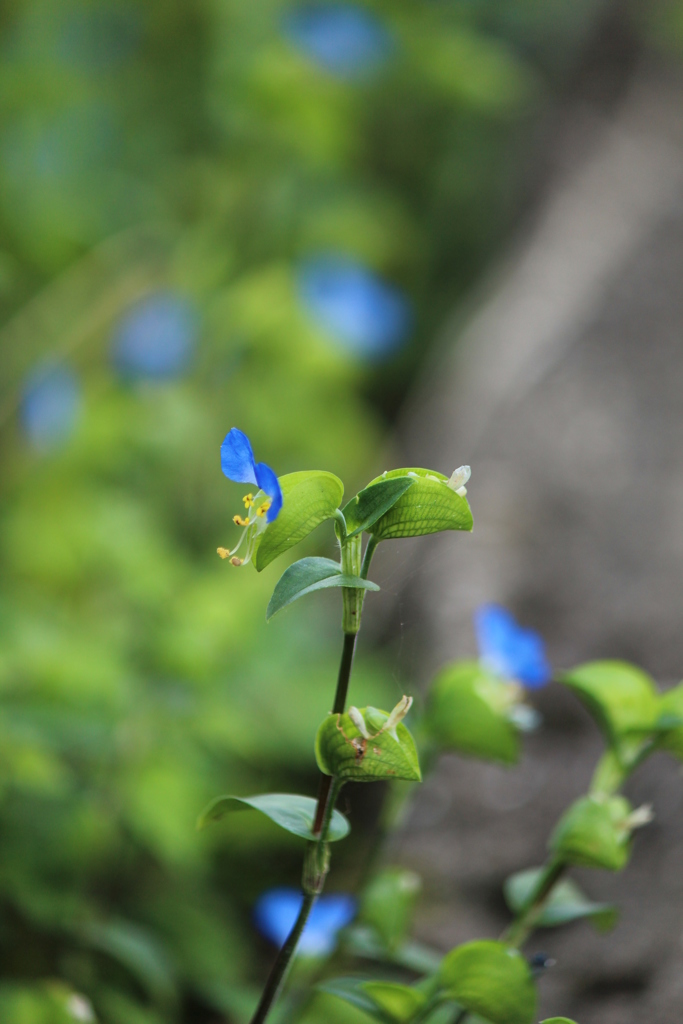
<point x="248" y="500"/>
<point x="223" y="552"/>
<point x="238" y="521"/>
<point x="236" y="561"/>
<point x="262" y="509"/>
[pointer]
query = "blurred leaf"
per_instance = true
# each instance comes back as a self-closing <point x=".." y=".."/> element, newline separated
<point x="594" y="832"/>
<point x="400" y="1002"/>
<point x="566" y="902"/>
<point x="429" y="506"/>
<point x="467" y="712"/>
<point x="388" y="903"/>
<point x="352" y="991"/>
<point x="341" y="750"/>
<point x="491" y="979"/>
<point x="670" y="721"/>
<point x="310" y="498"/>
<point x="368" y="505"/>
<point x="364" y="941"/>
<point x="308" y="575"/>
<point x="294" y="813"/>
<point x="621" y="697"/>
<point x="137" y="950"/>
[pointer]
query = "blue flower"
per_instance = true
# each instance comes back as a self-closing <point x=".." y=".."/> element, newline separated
<point x="508" y="649"/>
<point x="361" y="311"/>
<point x="155" y="339"/>
<point x="344" y="39"/>
<point x="238" y="464"/>
<point x="50" y="405"/>
<point x="277" y="910"/>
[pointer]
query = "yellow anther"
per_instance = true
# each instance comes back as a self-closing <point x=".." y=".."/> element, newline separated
<point x="223" y="552"/>
<point x="262" y="509"/>
<point x="248" y="500"/>
<point x="236" y="561"/>
<point x="238" y="521"/>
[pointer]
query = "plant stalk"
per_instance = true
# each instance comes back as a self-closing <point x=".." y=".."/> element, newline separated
<point x="522" y="926"/>
<point x="282" y="963"/>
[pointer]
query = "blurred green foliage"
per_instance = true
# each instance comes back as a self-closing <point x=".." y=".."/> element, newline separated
<point x="196" y="150"/>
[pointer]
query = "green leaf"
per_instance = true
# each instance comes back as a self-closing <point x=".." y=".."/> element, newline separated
<point x="363" y="941"/>
<point x="137" y="950"/>
<point x="388" y="903"/>
<point x="310" y="498"/>
<point x="621" y="697"/>
<point x="491" y="979"/>
<point x="670" y="721"/>
<point x="558" y="1020"/>
<point x="341" y="750"/>
<point x="467" y="712"/>
<point x="308" y="575"/>
<point x="400" y="1002"/>
<point x="595" y="832"/>
<point x="429" y="506"/>
<point x="566" y="902"/>
<point x="368" y="505"/>
<point x="290" y="811"/>
<point x="351" y="990"/>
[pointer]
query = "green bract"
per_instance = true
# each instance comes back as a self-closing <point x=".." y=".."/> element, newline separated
<point x="670" y="721"/>
<point x="310" y="497"/>
<point x="388" y="903"/>
<point x="491" y="979"/>
<point x="467" y="711"/>
<point x="621" y="697"/>
<point x="429" y="506"/>
<point x="374" y="501"/>
<point x="290" y="811"/>
<point x="595" y="832"/>
<point x="308" y="575"/>
<point x="566" y="902"/>
<point x="342" y="750"/>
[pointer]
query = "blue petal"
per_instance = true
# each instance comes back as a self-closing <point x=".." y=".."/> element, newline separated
<point x="510" y="650"/>
<point x="361" y="311"/>
<point x="346" y="40"/>
<point x="276" y="911"/>
<point x="50" y="405"/>
<point x="270" y="485"/>
<point x="237" y="458"/>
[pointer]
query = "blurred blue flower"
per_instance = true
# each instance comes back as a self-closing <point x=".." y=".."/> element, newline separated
<point x="50" y="405"/>
<point x="345" y="39"/>
<point x="508" y="649"/>
<point x="155" y="339"/>
<point x="277" y="910"/>
<point x="361" y="311"/>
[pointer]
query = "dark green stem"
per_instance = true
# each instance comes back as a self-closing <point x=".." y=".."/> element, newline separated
<point x="279" y="970"/>
<point x="317" y="855"/>
<point x="344" y="676"/>
<point x="523" y="925"/>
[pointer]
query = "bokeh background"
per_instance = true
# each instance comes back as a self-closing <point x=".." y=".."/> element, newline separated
<point x="279" y="216"/>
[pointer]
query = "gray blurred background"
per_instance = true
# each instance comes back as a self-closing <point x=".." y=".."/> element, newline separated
<point x="561" y="383"/>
